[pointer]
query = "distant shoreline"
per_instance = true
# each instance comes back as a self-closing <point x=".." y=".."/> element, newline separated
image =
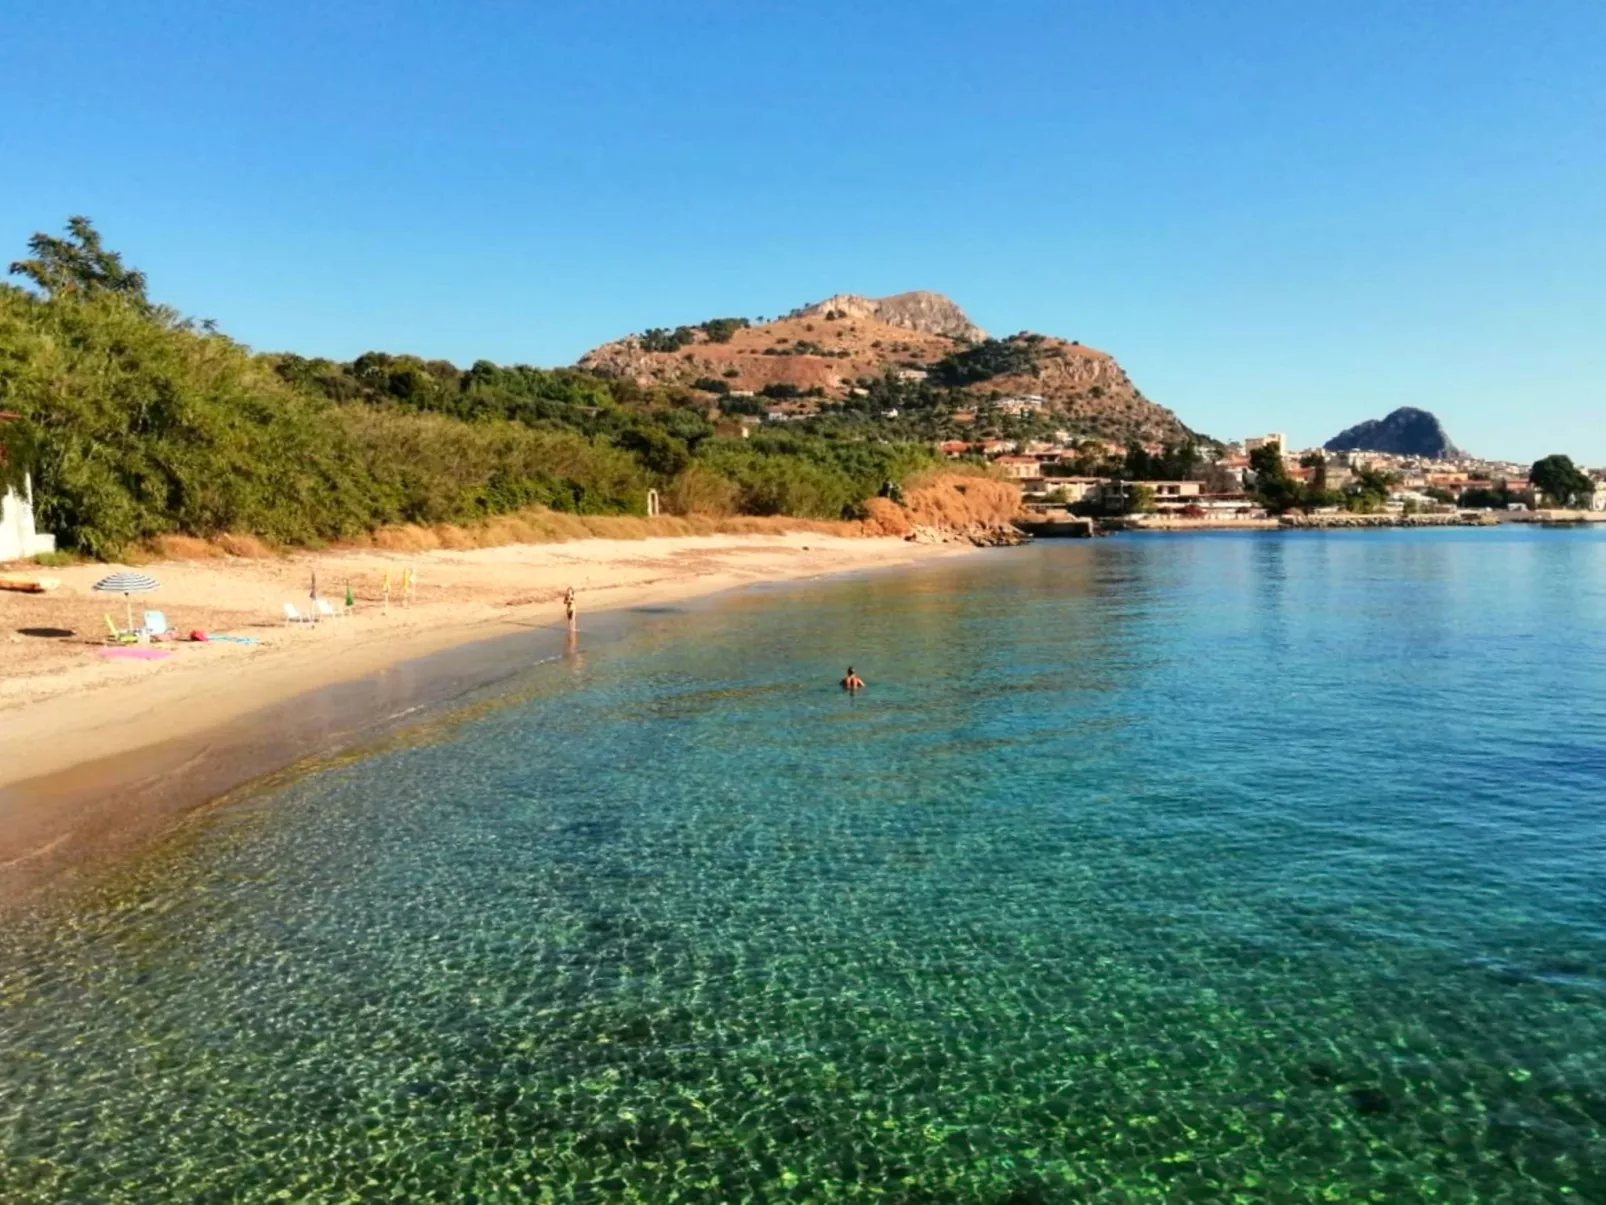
<point x="1355" y="522"/>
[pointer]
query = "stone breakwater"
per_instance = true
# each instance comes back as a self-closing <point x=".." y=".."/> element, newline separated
<point x="1358" y="521"/>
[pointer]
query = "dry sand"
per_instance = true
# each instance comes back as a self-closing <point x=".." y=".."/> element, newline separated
<point x="62" y="702"/>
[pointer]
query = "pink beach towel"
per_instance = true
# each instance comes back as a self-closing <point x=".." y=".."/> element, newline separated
<point x="138" y="654"/>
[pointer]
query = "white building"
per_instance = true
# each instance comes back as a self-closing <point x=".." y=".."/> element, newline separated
<point x="18" y="539"/>
<point x="1020" y="403"/>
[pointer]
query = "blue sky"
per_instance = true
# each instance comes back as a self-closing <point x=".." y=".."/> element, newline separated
<point x="1277" y="216"/>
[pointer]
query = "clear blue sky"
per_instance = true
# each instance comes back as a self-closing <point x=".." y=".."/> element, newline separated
<point x="1277" y="216"/>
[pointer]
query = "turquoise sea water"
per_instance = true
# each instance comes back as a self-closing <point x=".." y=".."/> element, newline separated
<point x="1238" y="868"/>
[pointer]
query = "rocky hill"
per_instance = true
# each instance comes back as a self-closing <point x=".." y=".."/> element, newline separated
<point x="929" y="313"/>
<point x="1405" y="432"/>
<point x="832" y="348"/>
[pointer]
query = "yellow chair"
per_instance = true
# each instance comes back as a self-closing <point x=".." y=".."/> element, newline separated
<point x="115" y="635"/>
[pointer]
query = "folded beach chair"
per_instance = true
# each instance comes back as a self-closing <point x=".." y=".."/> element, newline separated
<point x="116" y="635"/>
<point x="156" y="624"/>
<point x="291" y="615"/>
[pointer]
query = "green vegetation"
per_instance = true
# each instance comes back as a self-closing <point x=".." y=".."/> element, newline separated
<point x="1178" y="462"/>
<point x="137" y="423"/>
<point x="1489" y="497"/>
<point x="720" y="330"/>
<point x="660" y="338"/>
<point x="1561" y="481"/>
<point x="1139" y="499"/>
<point x="1276" y="490"/>
<point x="1279" y="491"/>
<point x="987" y="359"/>
<point x="19" y="452"/>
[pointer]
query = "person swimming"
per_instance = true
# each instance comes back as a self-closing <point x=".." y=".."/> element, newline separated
<point x="852" y="681"/>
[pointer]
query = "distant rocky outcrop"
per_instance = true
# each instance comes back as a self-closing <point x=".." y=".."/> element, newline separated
<point x="923" y="311"/>
<point x="1406" y="432"/>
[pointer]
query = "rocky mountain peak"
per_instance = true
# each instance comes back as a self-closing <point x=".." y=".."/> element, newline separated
<point x="921" y="310"/>
<point x="1405" y="432"/>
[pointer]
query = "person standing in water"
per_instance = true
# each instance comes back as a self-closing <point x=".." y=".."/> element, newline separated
<point x="568" y="605"/>
<point x="852" y="682"/>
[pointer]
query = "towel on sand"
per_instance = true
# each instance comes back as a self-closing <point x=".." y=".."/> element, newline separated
<point x="137" y="654"/>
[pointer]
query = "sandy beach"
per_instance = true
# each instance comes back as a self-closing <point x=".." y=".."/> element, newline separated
<point x="94" y="747"/>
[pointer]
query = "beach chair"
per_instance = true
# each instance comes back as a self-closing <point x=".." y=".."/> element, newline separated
<point x="156" y="625"/>
<point x="291" y="615"/>
<point x="116" y="635"/>
<point x="326" y="611"/>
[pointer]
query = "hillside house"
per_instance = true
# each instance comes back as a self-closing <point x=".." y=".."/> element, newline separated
<point x="1169" y="496"/>
<point x="1025" y="403"/>
<point x="1019" y="468"/>
<point x="1076" y="489"/>
<point x="1260" y="441"/>
<point x="1173" y="491"/>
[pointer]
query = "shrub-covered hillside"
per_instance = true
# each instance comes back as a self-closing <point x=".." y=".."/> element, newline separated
<point x="136" y="422"/>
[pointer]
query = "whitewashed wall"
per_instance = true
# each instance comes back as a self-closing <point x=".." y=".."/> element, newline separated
<point x="18" y="539"/>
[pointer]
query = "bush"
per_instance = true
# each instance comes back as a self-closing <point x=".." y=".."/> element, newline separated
<point x="661" y="339"/>
<point x="720" y="330"/>
<point x="146" y="426"/>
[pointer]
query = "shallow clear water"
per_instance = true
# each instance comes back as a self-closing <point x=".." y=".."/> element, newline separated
<point x="1264" y="868"/>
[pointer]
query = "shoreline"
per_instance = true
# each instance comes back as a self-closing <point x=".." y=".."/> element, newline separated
<point x="93" y="767"/>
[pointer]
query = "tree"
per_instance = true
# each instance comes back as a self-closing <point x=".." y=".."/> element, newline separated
<point x="1139" y="499"/>
<point x="720" y="330"/>
<point x="1486" y="497"/>
<point x="1368" y="491"/>
<point x="1276" y="490"/>
<point x="1318" y="463"/>
<point x="80" y="264"/>
<point x="19" y="448"/>
<point x="1560" y="480"/>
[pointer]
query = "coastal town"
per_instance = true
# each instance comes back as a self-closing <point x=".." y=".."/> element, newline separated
<point x="1053" y="477"/>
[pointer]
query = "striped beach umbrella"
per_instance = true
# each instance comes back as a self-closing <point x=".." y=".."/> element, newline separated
<point x="127" y="583"/>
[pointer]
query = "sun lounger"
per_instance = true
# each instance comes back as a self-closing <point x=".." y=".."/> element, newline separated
<point x="326" y="609"/>
<point x="116" y="635"/>
<point x="156" y="625"/>
<point x="291" y="615"/>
